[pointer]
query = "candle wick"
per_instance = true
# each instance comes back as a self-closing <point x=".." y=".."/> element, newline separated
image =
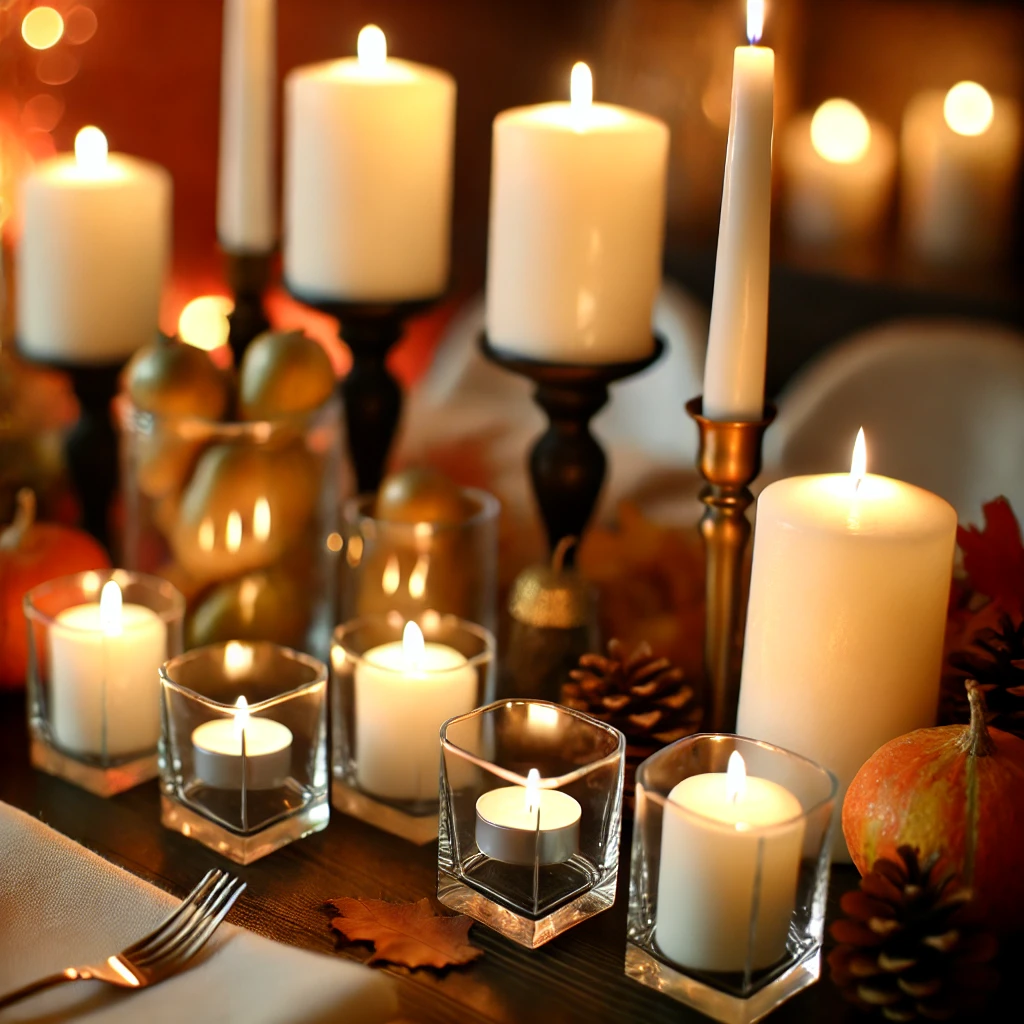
<point x="856" y="485"/>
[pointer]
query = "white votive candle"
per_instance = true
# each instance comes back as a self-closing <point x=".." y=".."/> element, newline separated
<point x="368" y="176"/>
<point x="93" y="254"/>
<point x="960" y="154"/>
<point x="226" y="750"/>
<point x="576" y="229"/>
<point x="404" y="692"/>
<point x="839" y="168"/>
<point x="105" y="659"/>
<point x="847" y="613"/>
<point x="528" y="825"/>
<point x="730" y="859"/>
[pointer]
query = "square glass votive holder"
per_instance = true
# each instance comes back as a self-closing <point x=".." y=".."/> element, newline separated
<point x="243" y="753"/>
<point x="531" y="812"/>
<point x="96" y="641"/>
<point x="729" y="874"/>
<point x="395" y="683"/>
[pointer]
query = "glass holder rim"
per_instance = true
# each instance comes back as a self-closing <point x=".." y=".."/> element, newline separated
<point x="490" y="507"/>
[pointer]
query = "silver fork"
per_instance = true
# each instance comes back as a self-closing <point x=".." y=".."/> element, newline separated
<point x="164" y="951"/>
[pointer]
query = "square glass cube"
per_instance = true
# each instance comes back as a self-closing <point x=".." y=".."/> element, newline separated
<point x="243" y="752"/>
<point x="729" y="874"/>
<point x="96" y="641"/>
<point x="395" y="682"/>
<point x="531" y="812"/>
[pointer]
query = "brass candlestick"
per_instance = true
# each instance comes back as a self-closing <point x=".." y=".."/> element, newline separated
<point x="729" y="460"/>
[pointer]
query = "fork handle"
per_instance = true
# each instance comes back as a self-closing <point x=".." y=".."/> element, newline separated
<point x="50" y="981"/>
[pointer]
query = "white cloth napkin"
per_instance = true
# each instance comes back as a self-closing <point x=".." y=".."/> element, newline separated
<point x="62" y="905"/>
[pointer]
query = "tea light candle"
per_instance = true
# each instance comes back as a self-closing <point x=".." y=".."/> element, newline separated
<point x="720" y="879"/>
<point x="576" y="229"/>
<point x="105" y="659"/>
<point x="960" y="154"/>
<point x="222" y="748"/>
<point x="93" y="254"/>
<point x="369" y="146"/>
<point x="404" y="692"/>
<point x="839" y="169"/>
<point x="527" y="825"/>
<point x="847" y="614"/>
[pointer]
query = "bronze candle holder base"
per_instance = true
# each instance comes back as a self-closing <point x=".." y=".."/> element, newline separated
<point x="371" y="395"/>
<point x="248" y="275"/>
<point x="729" y="460"/>
<point x="567" y="465"/>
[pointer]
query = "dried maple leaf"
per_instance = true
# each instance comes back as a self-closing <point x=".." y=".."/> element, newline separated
<point x="409" y="934"/>
<point x="994" y="556"/>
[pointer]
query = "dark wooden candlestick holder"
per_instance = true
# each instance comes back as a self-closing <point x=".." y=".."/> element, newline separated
<point x="248" y="275"/>
<point x="567" y="465"/>
<point x="372" y="397"/>
<point x="729" y="460"/>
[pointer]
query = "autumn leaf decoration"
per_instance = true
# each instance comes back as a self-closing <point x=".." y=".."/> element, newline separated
<point x="407" y="934"/>
<point x="994" y="557"/>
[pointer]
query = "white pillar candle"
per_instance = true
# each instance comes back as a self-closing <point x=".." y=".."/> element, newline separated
<point x="404" y="692"/>
<point x="730" y="858"/>
<point x="93" y="254"/>
<point x="368" y="177"/>
<point x="576" y="229"/>
<point x="839" y="169"/>
<point x="248" y="87"/>
<point x="527" y="824"/>
<point x="960" y="159"/>
<point x="222" y="746"/>
<point x="738" y="336"/>
<point x="847" y="613"/>
<point x="104" y="694"/>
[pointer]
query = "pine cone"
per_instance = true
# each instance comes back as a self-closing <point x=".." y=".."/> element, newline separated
<point x="644" y="696"/>
<point x="995" y="658"/>
<point x="905" y="948"/>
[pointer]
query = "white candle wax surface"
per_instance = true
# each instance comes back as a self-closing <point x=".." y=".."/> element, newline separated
<point x="577" y="220"/>
<point x="839" y="168"/>
<point x="404" y="692"/>
<point x="93" y="254"/>
<point x="248" y="90"/>
<point x="846" y="617"/>
<point x="719" y="829"/>
<point x="738" y="337"/>
<point x="960" y="157"/>
<point x="105" y="658"/>
<point x="368" y="177"/>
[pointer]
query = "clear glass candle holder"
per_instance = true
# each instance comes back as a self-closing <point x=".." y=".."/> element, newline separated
<point x="96" y="641"/>
<point x="531" y="811"/>
<point x="395" y="683"/>
<point x="413" y="567"/>
<point x="729" y="874"/>
<point x="243" y="752"/>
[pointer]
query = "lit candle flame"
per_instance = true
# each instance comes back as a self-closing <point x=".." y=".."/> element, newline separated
<point x="840" y="132"/>
<point x="859" y="465"/>
<point x="111" y="621"/>
<point x="532" y="791"/>
<point x="91" y="149"/>
<point x="736" y="777"/>
<point x="261" y="520"/>
<point x="205" y="537"/>
<point x="581" y="88"/>
<point x="968" y="108"/>
<point x="372" y="48"/>
<point x="412" y="645"/>
<point x="755" y="20"/>
<point x="241" y="716"/>
<point x="203" y="322"/>
<point x="237" y="658"/>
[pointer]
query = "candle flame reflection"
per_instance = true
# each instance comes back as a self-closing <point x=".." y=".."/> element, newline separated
<point x="412" y="645"/>
<point x="581" y="88"/>
<point x="261" y="519"/>
<point x="418" y="578"/>
<point x="392" y="576"/>
<point x="755" y="20"/>
<point x="859" y="465"/>
<point x="372" y="48"/>
<point x="237" y="659"/>
<point x="91" y="149"/>
<point x="233" y="532"/>
<point x="532" y="791"/>
<point x="110" y="609"/>
<point x="736" y="777"/>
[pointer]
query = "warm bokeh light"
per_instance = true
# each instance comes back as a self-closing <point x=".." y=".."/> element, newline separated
<point x="859" y="464"/>
<point x="840" y="132"/>
<point x="372" y="47"/>
<point x="968" y="108"/>
<point x="581" y="87"/>
<point x="80" y="25"/>
<point x="57" y="67"/>
<point x="204" y="322"/>
<point x="91" y="149"/>
<point x="42" y="28"/>
<point x="42" y="112"/>
<point x="755" y="20"/>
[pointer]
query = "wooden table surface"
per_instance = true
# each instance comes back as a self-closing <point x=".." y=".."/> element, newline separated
<point x="578" y="977"/>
